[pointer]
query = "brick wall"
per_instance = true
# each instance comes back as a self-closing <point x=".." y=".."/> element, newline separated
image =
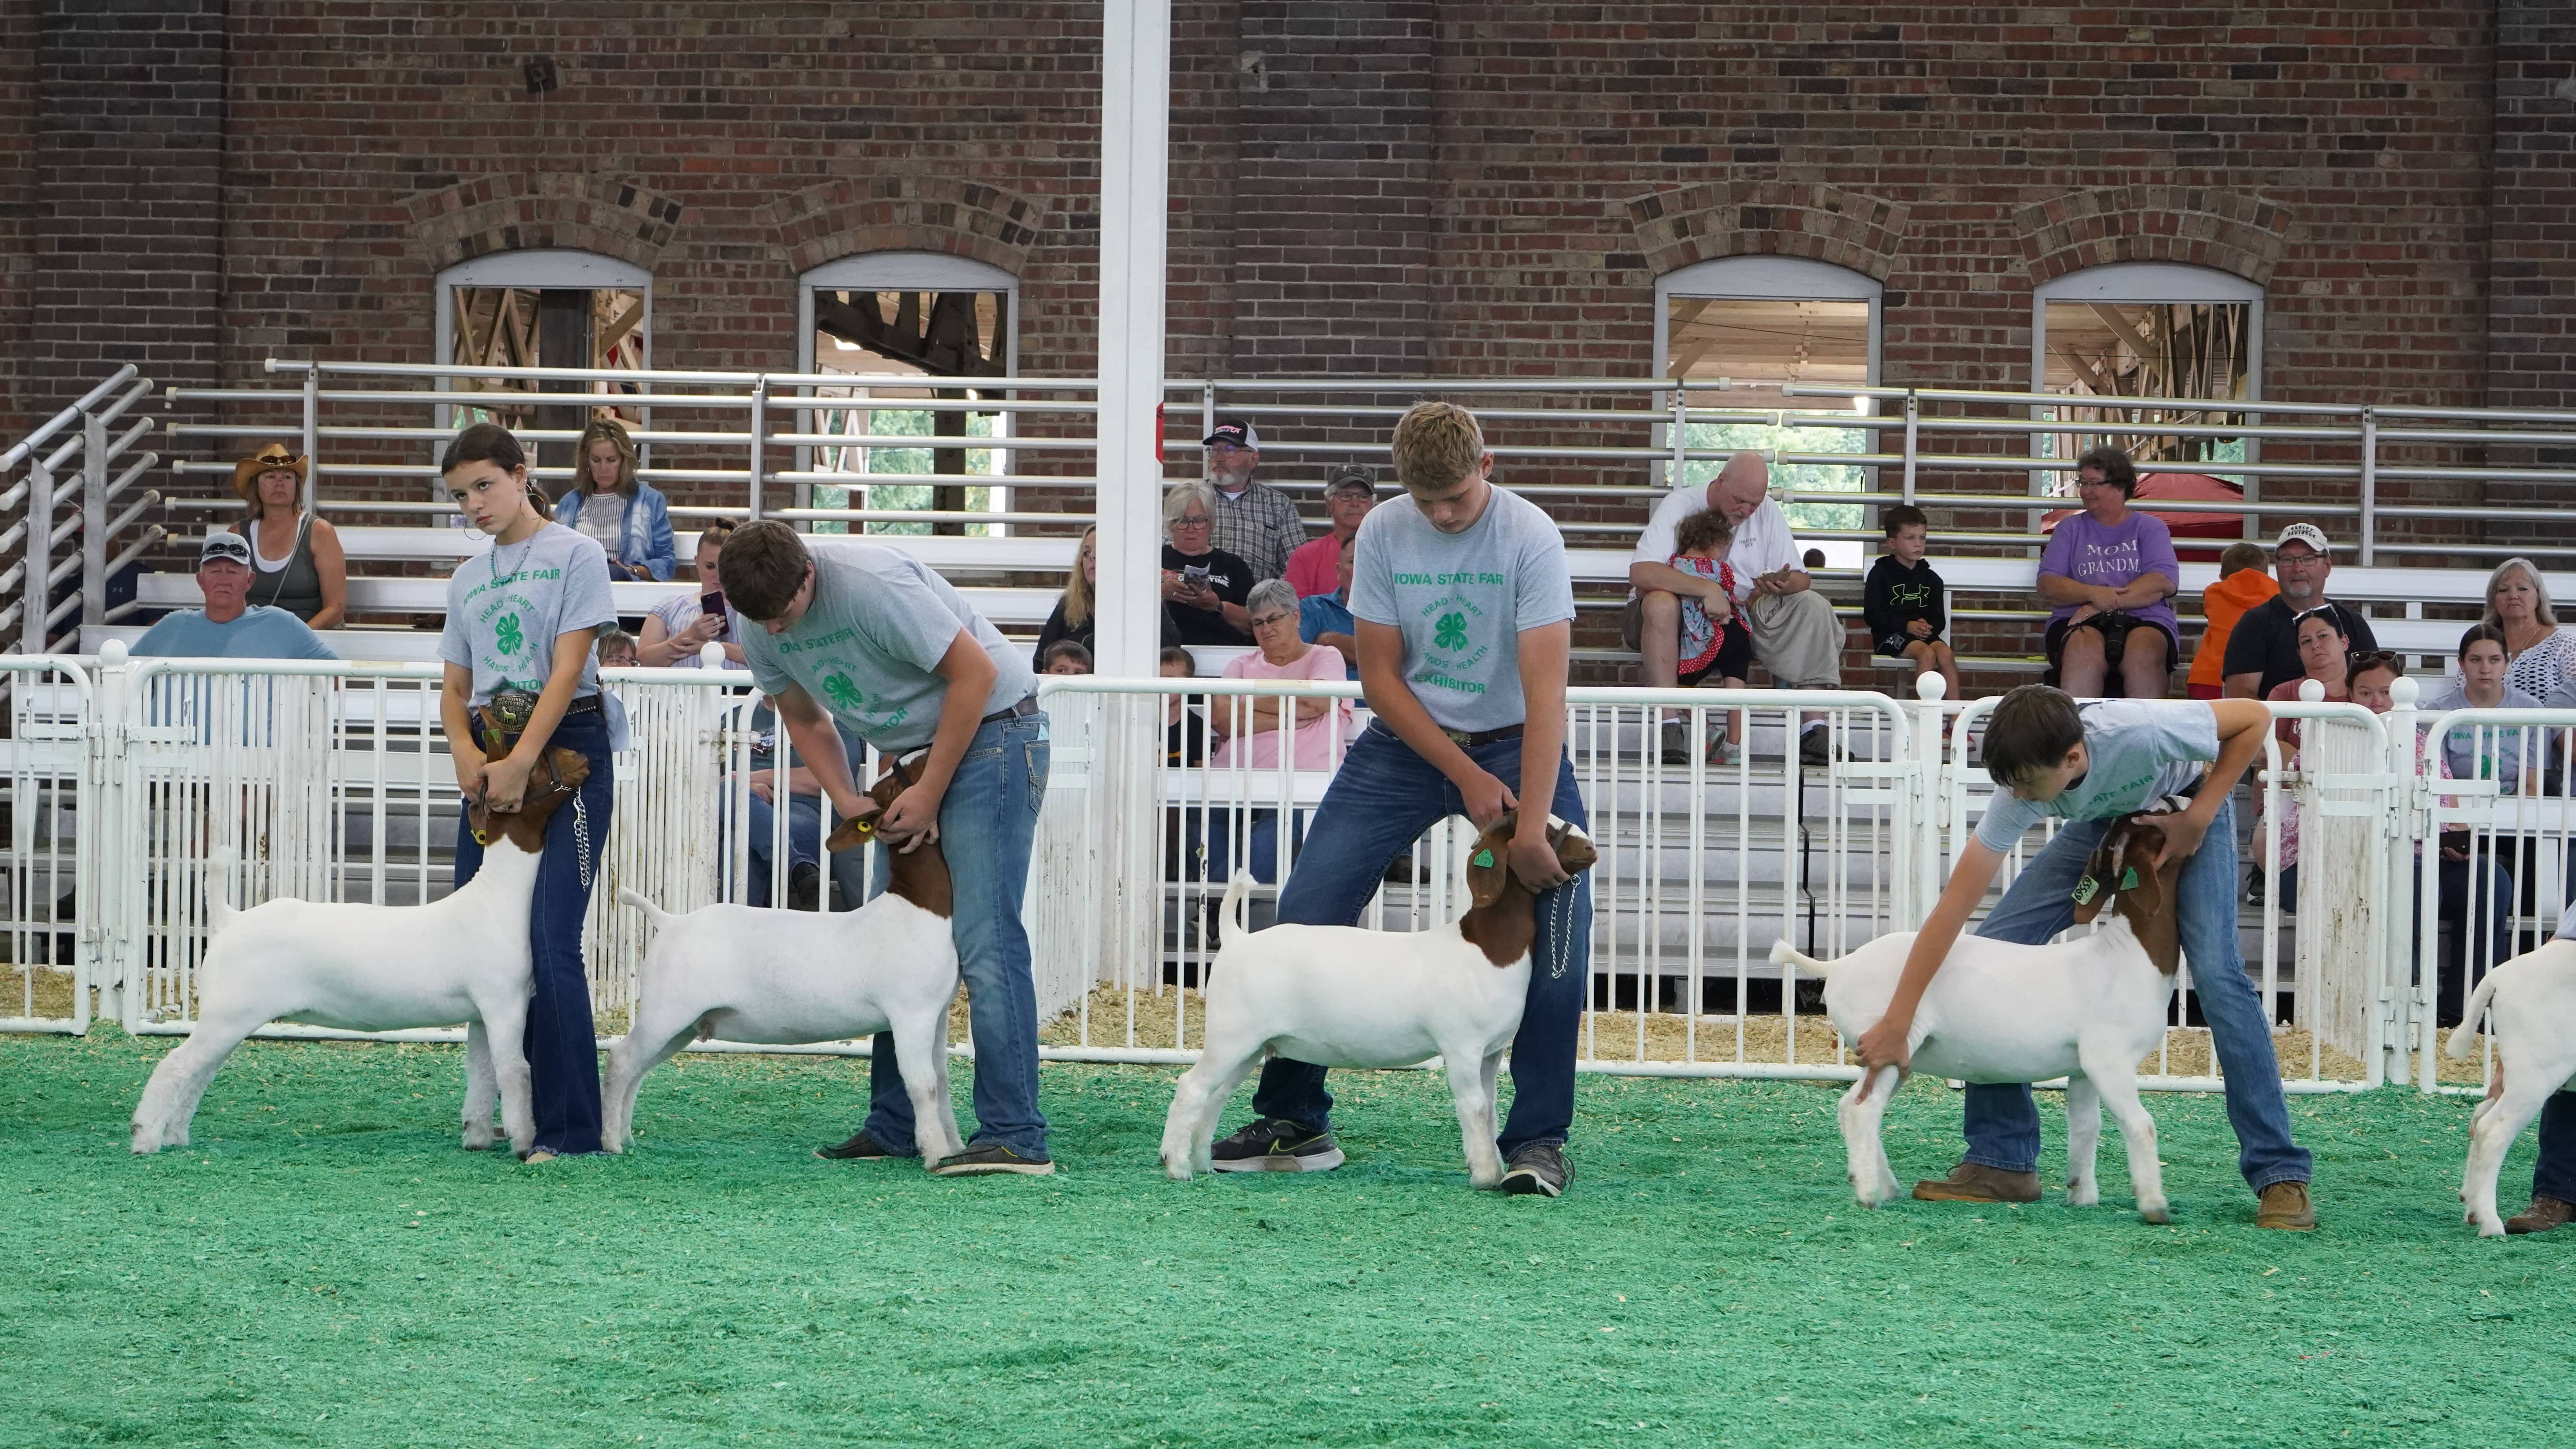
<point x="126" y="242"/>
<point x="18" y="71"/>
<point x="2531" y="269"/>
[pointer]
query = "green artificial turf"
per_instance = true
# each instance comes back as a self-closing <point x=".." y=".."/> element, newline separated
<point x="326" y="1267"/>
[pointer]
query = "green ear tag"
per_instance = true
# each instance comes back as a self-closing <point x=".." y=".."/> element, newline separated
<point x="2085" y="890"/>
<point x="1484" y="858"/>
<point x="2129" y="879"/>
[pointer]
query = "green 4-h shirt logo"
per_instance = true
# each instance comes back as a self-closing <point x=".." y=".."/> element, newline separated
<point x="844" y="695"/>
<point x="506" y="634"/>
<point x="1451" y="631"/>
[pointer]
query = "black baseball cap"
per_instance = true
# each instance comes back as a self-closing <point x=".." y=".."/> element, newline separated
<point x="1235" y="431"/>
<point x="1351" y="475"/>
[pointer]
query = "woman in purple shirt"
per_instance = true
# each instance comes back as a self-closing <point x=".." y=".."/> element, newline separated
<point x="2111" y="573"/>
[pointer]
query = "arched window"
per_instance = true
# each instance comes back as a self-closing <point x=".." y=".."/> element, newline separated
<point x="885" y="317"/>
<point x="1761" y="322"/>
<point x="2147" y="330"/>
<point x="545" y="308"/>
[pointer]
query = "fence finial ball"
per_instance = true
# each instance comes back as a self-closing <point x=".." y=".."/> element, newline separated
<point x="711" y="654"/>
<point x="1929" y="686"/>
<point x="2405" y="691"/>
<point x="112" y="653"/>
<point x="2312" y="691"/>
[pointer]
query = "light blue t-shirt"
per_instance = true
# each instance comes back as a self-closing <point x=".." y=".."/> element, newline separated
<point x="2137" y="750"/>
<point x="1462" y="600"/>
<point x="1322" y="614"/>
<point x="869" y="646"/>
<point x="2503" y="748"/>
<point x="508" y="605"/>
<point x="261" y="632"/>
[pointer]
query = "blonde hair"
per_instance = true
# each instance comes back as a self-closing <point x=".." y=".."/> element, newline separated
<point x="2539" y="588"/>
<point x="1077" y="589"/>
<point x="615" y="433"/>
<point x="1437" y="444"/>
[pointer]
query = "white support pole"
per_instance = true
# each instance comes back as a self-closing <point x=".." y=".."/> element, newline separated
<point x="35" y="594"/>
<point x="1135" y="171"/>
<point x="94" y="480"/>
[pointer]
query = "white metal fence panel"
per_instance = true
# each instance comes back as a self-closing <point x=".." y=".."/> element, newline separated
<point x="51" y="771"/>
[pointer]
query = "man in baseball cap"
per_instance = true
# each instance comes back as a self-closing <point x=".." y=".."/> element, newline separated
<point x="2263" y="652"/>
<point x="229" y="626"/>
<point x="1254" y="521"/>
<point x="1350" y="491"/>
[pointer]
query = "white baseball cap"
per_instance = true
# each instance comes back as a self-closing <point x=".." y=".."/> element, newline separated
<point x="2307" y="533"/>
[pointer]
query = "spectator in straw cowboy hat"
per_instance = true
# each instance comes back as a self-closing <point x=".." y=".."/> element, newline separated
<point x="296" y="562"/>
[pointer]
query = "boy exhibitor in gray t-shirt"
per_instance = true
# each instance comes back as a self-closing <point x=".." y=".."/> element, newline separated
<point x="865" y="635"/>
<point x="2089" y="765"/>
<point x="1464" y="609"/>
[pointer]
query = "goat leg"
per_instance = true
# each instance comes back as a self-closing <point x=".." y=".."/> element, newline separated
<point x="2083" y="1141"/>
<point x="920" y="1049"/>
<point x="169" y="1101"/>
<point x="505" y="1022"/>
<point x="2493" y="1136"/>
<point x="1865" y="1152"/>
<point x="482" y="1089"/>
<point x="2111" y="1069"/>
<point x="1466" y="1073"/>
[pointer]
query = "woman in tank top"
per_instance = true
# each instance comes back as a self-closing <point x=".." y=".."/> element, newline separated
<point x="522" y="679"/>
<point x="296" y="563"/>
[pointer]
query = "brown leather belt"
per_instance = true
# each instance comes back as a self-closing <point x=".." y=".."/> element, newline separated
<point x="1467" y="741"/>
<point x="1025" y="706"/>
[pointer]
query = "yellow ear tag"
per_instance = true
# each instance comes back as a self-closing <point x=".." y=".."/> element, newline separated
<point x="1484" y="858"/>
<point x="2085" y="890"/>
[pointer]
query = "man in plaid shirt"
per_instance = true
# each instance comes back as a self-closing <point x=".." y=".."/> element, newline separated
<point x="1254" y="522"/>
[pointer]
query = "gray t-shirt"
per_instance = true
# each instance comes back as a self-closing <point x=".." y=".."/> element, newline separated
<point x="2137" y="750"/>
<point x="870" y="642"/>
<point x="1462" y="600"/>
<point x="506" y="608"/>
<point x="2503" y="749"/>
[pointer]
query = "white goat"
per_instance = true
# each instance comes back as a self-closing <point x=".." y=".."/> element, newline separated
<point x="791" y="977"/>
<point x="2089" y="1009"/>
<point x="2534" y="995"/>
<point x="463" y="957"/>
<point x="1339" y="996"/>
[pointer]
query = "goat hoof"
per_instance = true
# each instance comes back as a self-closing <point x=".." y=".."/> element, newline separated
<point x="2491" y="1230"/>
<point x="2155" y="1215"/>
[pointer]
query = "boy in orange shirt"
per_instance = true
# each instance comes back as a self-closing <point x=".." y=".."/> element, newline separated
<point x="2244" y="582"/>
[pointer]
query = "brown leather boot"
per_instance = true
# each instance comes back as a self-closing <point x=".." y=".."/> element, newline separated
<point x="2544" y="1214"/>
<point x="2285" y="1206"/>
<point x="1976" y="1182"/>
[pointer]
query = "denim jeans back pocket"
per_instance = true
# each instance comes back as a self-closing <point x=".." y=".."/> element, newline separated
<point x="1037" y="755"/>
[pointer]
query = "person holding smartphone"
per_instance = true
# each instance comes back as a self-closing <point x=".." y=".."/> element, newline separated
<point x="1204" y="587"/>
<point x="681" y="625"/>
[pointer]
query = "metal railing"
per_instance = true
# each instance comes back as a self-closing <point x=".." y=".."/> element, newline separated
<point x="330" y="781"/>
<point x="58" y="483"/>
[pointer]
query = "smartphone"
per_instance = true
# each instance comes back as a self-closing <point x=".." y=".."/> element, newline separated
<point x="1195" y="577"/>
<point x="712" y="604"/>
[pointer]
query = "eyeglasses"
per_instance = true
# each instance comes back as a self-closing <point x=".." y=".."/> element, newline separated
<point x="1266" y="620"/>
<point x="1193" y="522"/>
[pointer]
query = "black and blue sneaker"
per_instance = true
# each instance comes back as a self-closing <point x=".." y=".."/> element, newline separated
<point x="1276" y="1144"/>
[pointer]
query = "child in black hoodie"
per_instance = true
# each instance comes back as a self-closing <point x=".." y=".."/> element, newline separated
<point x="1901" y="601"/>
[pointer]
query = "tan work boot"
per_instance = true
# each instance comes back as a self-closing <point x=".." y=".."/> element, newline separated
<point x="2285" y="1206"/>
<point x="2544" y="1214"/>
<point x="1976" y="1182"/>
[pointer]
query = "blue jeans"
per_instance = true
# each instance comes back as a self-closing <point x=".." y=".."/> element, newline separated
<point x="563" y="1050"/>
<point x="1379" y="803"/>
<point x="2003" y="1122"/>
<point x="1261" y="840"/>
<point x="804" y="847"/>
<point x="987" y="826"/>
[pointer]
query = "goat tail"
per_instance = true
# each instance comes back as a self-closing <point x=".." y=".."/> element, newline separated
<point x="218" y="886"/>
<point x="2464" y="1037"/>
<point x="660" y="918"/>
<point x="1784" y="954"/>
<point x="1236" y="910"/>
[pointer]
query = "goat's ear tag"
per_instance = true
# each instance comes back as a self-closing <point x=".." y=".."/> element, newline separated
<point x="2129" y="879"/>
<point x="2086" y="889"/>
<point x="1484" y="858"/>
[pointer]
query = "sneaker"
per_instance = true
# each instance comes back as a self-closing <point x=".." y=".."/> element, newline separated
<point x="1976" y="1182"/>
<point x="1537" y="1169"/>
<point x="983" y="1159"/>
<point x="804" y="886"/>
<point x="1816" y="747"/>
<point x="2544" y="1215"/>
<point x="1399" y="871"/>
<point x="1675" y="742"/>
<point x="2285" y="1206"/>
<point x="858" y="1147"/>
<point x="2254" y="888"/>
<point x="1275" y="1144"/>
<point x="1723" y="751"/>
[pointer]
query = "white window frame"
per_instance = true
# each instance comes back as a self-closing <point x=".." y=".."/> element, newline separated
<point x="537" y="267"/>
<point x="909" y="272"/>
<point x="1763" y="278"/>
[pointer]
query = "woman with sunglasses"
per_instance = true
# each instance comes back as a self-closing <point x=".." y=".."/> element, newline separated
<point x="522" y="679"/>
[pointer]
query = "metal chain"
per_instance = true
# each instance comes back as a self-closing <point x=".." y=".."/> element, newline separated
<point x="581" y="838"/>
<point x="1561" y="931"/>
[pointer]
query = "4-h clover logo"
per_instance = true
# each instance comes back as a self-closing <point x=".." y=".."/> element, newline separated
<point x="844" y="695"/>
<point x="507" y="635"/>
<point x="1451" y="631"/>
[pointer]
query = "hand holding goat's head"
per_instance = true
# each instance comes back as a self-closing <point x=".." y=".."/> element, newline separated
<point x="1489" y="864"/>
<point x="2127" y="870"/>
<point x="559" y="775"/>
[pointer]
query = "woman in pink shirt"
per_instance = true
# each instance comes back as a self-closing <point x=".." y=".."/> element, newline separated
<point x="1250" y="728"/>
